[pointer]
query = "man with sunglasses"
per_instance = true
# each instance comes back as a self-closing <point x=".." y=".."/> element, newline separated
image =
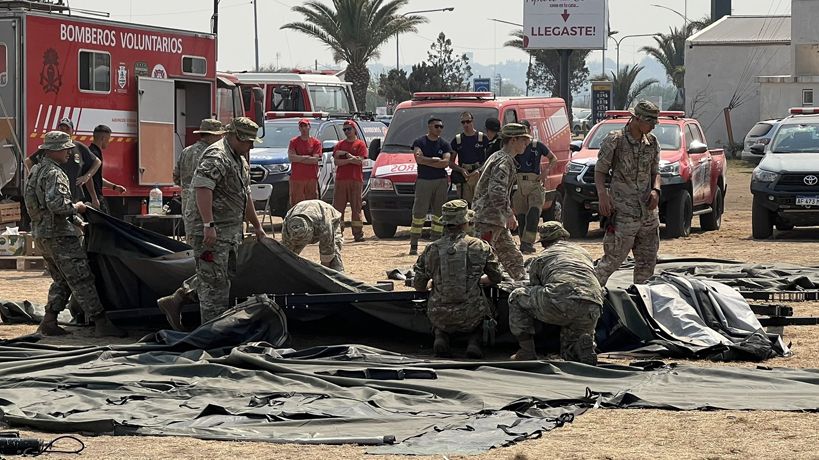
<point x="629" y="205"/>
<point x="469" y="150"/>
<point x="431" y="187"/>
<point x="349" y="156"/>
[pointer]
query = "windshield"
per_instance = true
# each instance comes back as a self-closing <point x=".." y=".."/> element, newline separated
<point x="411" y="123"/>
<point x="331" y="99"/>
<point x="278" y="135"/>
<point x="667" y="135"/>
<point x="796" y="139"/>
<point x="760" y="129"/>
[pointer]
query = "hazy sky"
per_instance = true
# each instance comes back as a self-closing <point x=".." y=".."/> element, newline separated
<point x="468" y="27"/>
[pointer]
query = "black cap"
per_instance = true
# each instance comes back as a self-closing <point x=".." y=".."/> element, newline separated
<point x="492" y="124"/>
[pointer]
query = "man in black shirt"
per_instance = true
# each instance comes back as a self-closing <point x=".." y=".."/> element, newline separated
<point x="102" y="137"/>
<point x="431" y="187"/>
<point x="494" y="143"/>
<point x="468" y="155"/>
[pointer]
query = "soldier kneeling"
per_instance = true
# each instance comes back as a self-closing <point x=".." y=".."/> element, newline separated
<point x="457" y="265"/>
<point x="563" y="291"/>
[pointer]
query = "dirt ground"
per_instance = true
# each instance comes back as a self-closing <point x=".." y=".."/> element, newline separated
<point x="600" y="434"/>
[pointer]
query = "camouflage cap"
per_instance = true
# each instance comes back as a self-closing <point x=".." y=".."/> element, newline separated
<point x="515" y="130"/>
<point x="455" y="212"/>
<point x="552" y="231"/>
<point x="210" y="126"/>
<point x="56" y="140"/>
<point x="646" y="111"/>
<point x="298" y="230"/>
<point x="244" y="128"/>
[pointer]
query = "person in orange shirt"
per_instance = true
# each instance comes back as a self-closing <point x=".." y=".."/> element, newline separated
<point x="304" y="153"/>
<point x="349" y="156"/>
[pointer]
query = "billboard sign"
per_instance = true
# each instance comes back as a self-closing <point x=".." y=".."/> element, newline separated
<point x="482" y="84"/>
<point x="601" y="100"/>
<point x="565" y="24"/>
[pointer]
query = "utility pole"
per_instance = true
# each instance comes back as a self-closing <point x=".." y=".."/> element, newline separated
<point x="256" y="33"/>
<point x="214" y="20"/>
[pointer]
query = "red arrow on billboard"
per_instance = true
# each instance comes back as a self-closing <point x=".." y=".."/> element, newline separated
<point x="565" y="15"/>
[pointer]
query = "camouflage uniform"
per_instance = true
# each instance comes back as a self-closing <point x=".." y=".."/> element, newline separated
<point x="455" y="264"/>
<point x="563" y="291"/>
<point x="633" y="163"/>
<point x="186" y="165"/>
<point x="314" y="221"/>
<point x="53" y="216"/>
<point x="493" y="208"/>
<point x="227" y="175"/>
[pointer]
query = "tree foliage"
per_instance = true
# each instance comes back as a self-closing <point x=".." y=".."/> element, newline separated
<point x="354" y="30"/>
<point x="455" y="71"/>
<point x="544" y="74"/>
<point x="394" y="86"/>
<point x="625" y="87"/>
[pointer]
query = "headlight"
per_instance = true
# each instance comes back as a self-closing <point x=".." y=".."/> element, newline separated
<point x="380" y="184"/>
<point x="669" y="169"/>
<point x="278" y="168"/>
<point x="761" y="175"/>
<point x="575" y="167"/>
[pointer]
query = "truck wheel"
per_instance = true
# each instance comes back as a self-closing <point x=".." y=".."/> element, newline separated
<point x="575" y="218"/>
<point x="678" y="215"/>
<point x="762" y="221"/>
<point x="713" y="220"/>
<point x="367" y="216"/>
<point x="383" y="230"/>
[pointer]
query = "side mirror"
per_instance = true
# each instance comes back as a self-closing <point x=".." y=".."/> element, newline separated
<point x="258" y="107"/>
<point x="328" y="146"/>
<point x="375" y="148"/>
<point x="758" y="149"/>
<point x="697" y="147"/>
<point x="575" y="146"/>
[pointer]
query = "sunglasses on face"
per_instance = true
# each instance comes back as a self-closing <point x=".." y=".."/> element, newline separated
<point x="438" y="126"/>
<point x="347" y="129"/>
<point x="466" y="122"/>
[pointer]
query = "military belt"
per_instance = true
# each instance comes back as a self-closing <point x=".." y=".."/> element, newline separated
<point x="528" y="176"/>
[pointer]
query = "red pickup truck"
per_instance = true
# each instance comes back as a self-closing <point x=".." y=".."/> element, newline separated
<point x="693" y="176"/>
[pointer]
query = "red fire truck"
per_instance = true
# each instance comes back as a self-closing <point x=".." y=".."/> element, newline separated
<point x="151" y="85"/>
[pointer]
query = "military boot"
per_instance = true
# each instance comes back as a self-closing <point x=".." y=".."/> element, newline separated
<point x="103" y="327"/>
<point x="441" y="345"/>
<point x="172" y="307"/>
<point x="413" y="246"/>
<point x="583" y="351"/>
<point x="527" y="349"/>
<point x="49" y="326"/>
<point x="527" y="248"/>
<point x="473" y="348"/>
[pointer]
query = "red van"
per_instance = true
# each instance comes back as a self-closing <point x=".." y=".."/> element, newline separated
<point x="392" y="184"/>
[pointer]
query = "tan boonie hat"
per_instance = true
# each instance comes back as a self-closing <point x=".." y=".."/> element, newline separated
<point x="210" y="126"/>
<point x="551" y="231"/>
<point x="646" y="111"/>
<point x="56" y="140"/>
<point x="245" y="129"/>
<point x="455" y="212"/>
<point x="298" y="230"/>
<point x="515" y="130"/>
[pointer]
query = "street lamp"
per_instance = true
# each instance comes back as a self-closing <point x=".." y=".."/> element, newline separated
<point x="683" y="16"/>
<point x="617" y="44"/>
<point x="528" y="69"/>
<point x="451" y="8"/>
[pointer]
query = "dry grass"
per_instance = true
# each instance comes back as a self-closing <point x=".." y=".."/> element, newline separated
<point x="600" y="434"/>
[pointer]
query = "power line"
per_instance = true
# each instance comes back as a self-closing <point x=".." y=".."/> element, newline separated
<point x="174" y="13"/>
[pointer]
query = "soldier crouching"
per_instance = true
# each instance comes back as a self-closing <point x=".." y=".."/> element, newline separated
<point x="563" y="290"/>
<point x="457" y="265"/>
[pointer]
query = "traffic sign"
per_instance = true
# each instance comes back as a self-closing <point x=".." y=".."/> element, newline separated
<point x="482" y="84"/>
<point x="565" y="24"/>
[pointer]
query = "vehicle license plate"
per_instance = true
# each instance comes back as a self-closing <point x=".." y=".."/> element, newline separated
<point x="811" y="200"/>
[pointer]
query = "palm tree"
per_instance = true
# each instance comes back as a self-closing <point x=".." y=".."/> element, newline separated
<point x="670" y="50"/>
<point x="625" y="88"/>
<point x="354" y="30"/>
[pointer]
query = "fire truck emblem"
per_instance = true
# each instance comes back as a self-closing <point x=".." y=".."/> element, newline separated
<point x="50" y="77"/>
<point x="159" y="72"/>
<point x="122" y="76"/>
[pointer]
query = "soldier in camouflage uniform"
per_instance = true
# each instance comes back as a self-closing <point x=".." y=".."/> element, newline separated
<point x="633" y="155"/>
<point x="457" y="264"/>
<point x="221" y="186"/>
<point x="493" y="207"/>
<point x="314" y="221"/>
<point x="563" y="290"/>
<point x="53" y="220"/>
<point x="209" y="131"/>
